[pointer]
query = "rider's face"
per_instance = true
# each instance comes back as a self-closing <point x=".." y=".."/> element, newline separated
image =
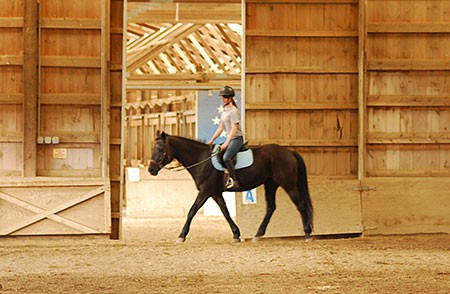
<point x="226" y="100"/>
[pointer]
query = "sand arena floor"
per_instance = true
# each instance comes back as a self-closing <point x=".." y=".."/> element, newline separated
<point x="147" y="260"/>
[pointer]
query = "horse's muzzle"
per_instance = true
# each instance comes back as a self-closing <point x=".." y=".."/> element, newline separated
<point x="153" y="169"/>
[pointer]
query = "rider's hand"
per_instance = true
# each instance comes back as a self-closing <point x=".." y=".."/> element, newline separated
<point x="223" y="146"/>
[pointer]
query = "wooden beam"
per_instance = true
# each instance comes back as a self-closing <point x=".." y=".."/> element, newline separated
<point x="362" y="90"/>
<point x="408" y="28"/>
<point x="307" y="143"/>
<point x="200" y="13"/>
<point x="175" y="36"/>
<point x="408" y="138"/>
<point x="9" y="137"/>
<point x="299" y="69"/>
<point x="71" y="23"/>
<point x="182" y="85"/>
<point x="408" y="64"/>
<point x="408" y="101"/>
<point x="74" y="137"/>
<point x="70" y="98"/>
<point x="299" y="33"/>
<point x="11" y="60"/>
<point x="409" y="173"/>
<point x="300" y="106"/>
<point x="30" y="81"/>
<point x="71" y="61"/>
<point x="185" y="1"/>
<point x="134" y="78"/>
<point x="53" y="182"/>
<point x="304" y="1"/>
<point x="11" y="98"/>
<point x="11" y="22"/>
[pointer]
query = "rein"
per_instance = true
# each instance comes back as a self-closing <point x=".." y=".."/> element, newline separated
<point x="180" y="168"/>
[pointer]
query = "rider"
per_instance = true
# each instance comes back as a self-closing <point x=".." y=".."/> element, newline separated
<point x="229" y="122"/>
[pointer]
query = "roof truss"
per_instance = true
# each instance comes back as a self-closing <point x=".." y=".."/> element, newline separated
<point x="194" y="43"/>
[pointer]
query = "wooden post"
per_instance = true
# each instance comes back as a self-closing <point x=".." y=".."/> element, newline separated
<point x="30" y="87"/>
<point x="362" y="90"/>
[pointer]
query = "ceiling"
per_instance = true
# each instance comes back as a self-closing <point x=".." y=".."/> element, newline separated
<point x="183" y="44"/>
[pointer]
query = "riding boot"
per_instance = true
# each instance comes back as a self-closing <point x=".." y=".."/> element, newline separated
<point x="232" y="180"/>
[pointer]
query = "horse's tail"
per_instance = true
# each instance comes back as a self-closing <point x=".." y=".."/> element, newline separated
<point x="303" y="189"/>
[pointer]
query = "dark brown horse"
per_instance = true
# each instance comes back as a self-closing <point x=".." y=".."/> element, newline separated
<point x="273" y="166"/>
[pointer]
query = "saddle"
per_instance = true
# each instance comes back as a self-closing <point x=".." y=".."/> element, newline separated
<point x="243" y="159"/>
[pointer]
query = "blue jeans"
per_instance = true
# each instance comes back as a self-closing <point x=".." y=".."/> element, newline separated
<point x="233" y="147"/>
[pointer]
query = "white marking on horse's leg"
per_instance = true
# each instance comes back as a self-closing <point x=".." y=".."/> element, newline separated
<point x="256" y="239"/>
<point x="180" y="240"/>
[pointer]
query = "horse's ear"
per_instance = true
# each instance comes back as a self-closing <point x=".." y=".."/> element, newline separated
<point x="158" y="133"/>
<point x="163" y="135"/>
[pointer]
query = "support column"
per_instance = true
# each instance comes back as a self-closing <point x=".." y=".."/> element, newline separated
<point x="30" y="86"/>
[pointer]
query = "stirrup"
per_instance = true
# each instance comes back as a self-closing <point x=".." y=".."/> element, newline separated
<point x="232" y="183"/>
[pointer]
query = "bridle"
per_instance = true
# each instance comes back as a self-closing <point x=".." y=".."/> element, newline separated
<point x="161" y="164"/>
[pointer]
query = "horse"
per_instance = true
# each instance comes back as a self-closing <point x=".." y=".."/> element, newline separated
<point x="273" y="166"/>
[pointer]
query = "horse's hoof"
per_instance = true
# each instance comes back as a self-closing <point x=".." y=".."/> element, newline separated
<point x="256" y="239"/>
<point x="308" y="240"/>
<point x="180" y="240"/>
<point x="236" y="240"/>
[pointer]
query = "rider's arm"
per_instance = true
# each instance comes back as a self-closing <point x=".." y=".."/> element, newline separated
<point x="217" y="133"/>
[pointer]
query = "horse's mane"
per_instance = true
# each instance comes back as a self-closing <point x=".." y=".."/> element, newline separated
<point x="188" y="140"/>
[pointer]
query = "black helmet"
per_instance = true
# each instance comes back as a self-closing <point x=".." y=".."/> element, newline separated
<point x="226" y="91"/>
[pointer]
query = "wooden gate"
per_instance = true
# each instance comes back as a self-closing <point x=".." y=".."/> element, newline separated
<point x="54" y="206"/>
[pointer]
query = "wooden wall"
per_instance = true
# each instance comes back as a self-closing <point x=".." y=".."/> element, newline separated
<point x="302" y="81"/>
<point x="408" y="90"/>
<point x="61" y="67"/>
<point x="11" y="88"/>
<point x="145" y="116"/>
<point x="360" y="89"/>
<point x="407" y="112"/>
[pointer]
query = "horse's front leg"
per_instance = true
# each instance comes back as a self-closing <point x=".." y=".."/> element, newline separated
<point x="223" y="207"/>
<point x="198" y="203"/>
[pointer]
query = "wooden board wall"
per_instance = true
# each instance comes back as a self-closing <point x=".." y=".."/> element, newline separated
<point x="77" y="105"/>
<point x="360" y="89"/>
<point x="408" y="90"/>
<point x="301" y="91"/>
<point x="408" y="117"/>
<point x="302" y="81"/>
<point x="11" y="88"/>
<point x="71" y="88"/>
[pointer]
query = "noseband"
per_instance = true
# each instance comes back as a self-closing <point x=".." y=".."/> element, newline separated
<point x="160" y="164"/>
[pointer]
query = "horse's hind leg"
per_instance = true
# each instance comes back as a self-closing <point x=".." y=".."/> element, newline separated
<point x="270" y="187"/>
<point x="294" y="194"/>
<point x="223" y="207"/>
<point x="198" y="203"/>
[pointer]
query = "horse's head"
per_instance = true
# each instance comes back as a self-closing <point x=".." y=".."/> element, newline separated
<point x="161" y="154"/>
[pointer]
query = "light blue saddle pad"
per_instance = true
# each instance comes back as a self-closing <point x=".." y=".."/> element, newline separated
<point x="244" y="159"/>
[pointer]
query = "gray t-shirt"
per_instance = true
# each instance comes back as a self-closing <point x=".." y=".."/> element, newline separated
<point x="229" y="117"/>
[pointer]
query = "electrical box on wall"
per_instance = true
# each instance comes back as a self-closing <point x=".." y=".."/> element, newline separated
<point x="60" y="153"/>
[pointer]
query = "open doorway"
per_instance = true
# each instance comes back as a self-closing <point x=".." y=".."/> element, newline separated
<point x="174" y="52"/>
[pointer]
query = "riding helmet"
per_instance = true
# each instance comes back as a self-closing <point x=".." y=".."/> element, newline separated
<point x="226" y="91"/>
